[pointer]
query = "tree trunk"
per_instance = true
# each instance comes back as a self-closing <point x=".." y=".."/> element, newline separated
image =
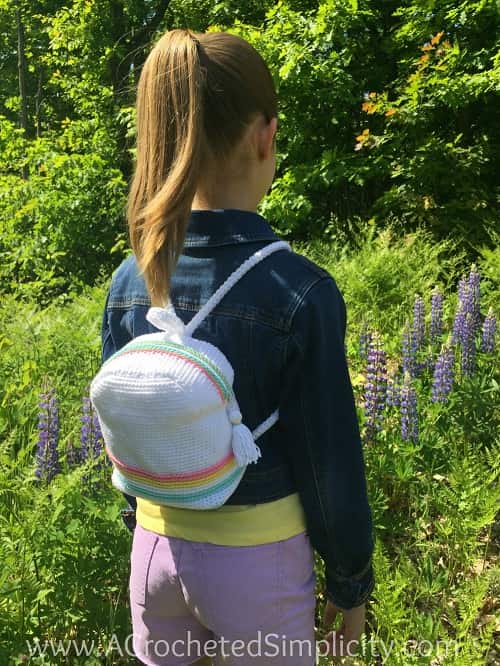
<point x="21" y="65"/>
<point x="38" y="106"/>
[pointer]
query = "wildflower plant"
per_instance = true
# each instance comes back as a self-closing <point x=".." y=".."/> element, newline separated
<point x="436" y="325"/>
<point x="91" y="440"/>
<point x="424" y="372"/>
<point x="432" y="471"/>
<point x="467" y="323"/>
<point x="468" y="346"/>
<point x="409" y="413"/>
<point x="459" y="323"/>
<point x="473" y="300"/>
<point x="375" y="386"/>
<point x="488" y="333"/>
<point x="393" y="391"/>
<point x="47" y="454"/>
<point x="443" y="374"/>
<point x="365" y="337"/>
<point x="92" y="444"/>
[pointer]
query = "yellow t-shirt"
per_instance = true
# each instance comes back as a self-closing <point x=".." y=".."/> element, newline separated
<point x="230" y="525"/>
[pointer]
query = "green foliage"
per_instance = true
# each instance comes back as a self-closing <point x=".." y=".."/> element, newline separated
<point x="63" y="548"/>
<point x="59" y="344"/>
<point x="397" y="128"/>
<point x="12" y="144"/>
<point x="200" y="14"/>
<point x="59" y="226"/>
<point x="379" y="280"/>
<point x="65" y="552"/>
<point x="387" y="115"/>
<point x="59" y="560"/>
<point x="321" y="68"/>
<point x="387" y="120"/>
<point x="432" y="136"/>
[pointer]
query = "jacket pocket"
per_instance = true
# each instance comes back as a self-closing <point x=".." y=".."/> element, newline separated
<point x="143" y="548"/>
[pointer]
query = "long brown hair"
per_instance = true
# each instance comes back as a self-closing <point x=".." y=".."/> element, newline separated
<point x="196" y="94"/>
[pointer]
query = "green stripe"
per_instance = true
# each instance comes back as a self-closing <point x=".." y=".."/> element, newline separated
<point x="130" y="485"/>
<point x="187" y="351"/>
<point x="182" y="350"/>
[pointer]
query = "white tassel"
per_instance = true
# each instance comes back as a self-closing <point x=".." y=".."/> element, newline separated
<point x="245" y="449"/>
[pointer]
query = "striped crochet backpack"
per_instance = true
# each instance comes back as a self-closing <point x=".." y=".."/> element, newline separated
<point x="168" y="413"/>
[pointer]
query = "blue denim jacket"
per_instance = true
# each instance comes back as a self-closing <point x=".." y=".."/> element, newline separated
<point x="282" y="327"/>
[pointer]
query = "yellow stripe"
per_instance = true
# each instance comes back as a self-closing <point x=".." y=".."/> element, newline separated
<point x="247" y="525"/>
<point x="181" y="483"/>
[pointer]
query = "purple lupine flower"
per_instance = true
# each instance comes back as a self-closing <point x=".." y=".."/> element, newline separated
<point x="436" y="327"/>
<point x="86" y="442"/>
<point x="98" y="440"/>
<point x="467" y="320"/>
<point x="468" y="346"/>
<point x="443" y="374"/>
<point x="488" y="334"/>
<point x="474" y="297"/>
<point x="418" y="328"/>
<point x="393" y="391"/>
<point x="463" y="288"/>
<point x="409" y="414"/>
<point x="92" y="443"/>
<point x="469" y="303"/>
<point x="459" y="323"/>
<point x="47" y="455"/>
<point x="463" y="307"/>
<point x="90" y="446"/>
<point x="375" y="386"/>
<point x="461" y="311"/>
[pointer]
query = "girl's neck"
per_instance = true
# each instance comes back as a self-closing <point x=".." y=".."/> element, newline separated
<point x="237" y="201"/>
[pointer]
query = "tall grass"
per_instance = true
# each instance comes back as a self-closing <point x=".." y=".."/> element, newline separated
<point x="64" y="551"/>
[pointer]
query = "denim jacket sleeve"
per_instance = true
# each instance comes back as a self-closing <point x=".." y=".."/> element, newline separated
<point x="114" y="332"/>
<point x="107" y="345"/>
<point x="317" y="409"/>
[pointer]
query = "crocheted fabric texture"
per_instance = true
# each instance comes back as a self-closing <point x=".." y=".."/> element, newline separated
<point x="168" y="414"/>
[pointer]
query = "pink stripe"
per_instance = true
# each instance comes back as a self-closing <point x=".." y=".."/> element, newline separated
<point x="183" y="358"/>
<point x="185" y="476"/>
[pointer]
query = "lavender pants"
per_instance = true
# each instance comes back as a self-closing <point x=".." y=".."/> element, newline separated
<point x="232" y="604"/>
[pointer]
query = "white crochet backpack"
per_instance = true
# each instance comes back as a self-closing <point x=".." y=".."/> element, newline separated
<point x="169" y="417"/>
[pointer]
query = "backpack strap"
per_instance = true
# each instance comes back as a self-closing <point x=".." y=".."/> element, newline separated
<point x="236" y="275"/>
<point x="219" y="294"/>
<point x="265" y="425"/>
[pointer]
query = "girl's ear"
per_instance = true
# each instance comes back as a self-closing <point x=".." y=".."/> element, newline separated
<point x="267" y="133"/>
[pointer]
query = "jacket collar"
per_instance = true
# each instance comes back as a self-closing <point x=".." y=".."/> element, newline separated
<point x="226" y="226"/>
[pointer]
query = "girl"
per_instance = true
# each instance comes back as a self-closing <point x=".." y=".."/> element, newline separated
<point x="237" y="584"/>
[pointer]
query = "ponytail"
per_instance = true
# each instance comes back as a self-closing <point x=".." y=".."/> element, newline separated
<point x="169" y="157"/>
<point x="196" y="93"/>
